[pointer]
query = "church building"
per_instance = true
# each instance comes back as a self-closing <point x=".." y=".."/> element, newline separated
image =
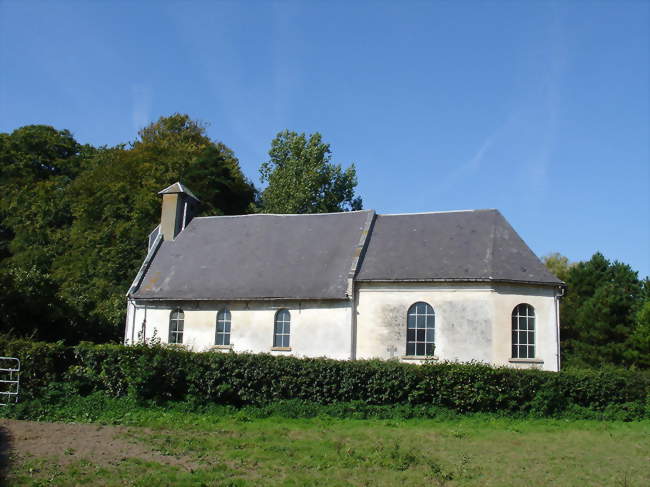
<point x="439" y="286"/>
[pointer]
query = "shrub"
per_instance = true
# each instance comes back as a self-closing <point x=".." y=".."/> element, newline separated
<point x="162" y="373"/>
<point x="41" y="364"/>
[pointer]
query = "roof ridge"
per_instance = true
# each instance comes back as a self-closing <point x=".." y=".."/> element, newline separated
<point x="285" y="214"/>
<point x="357" y="256"/>
<point x="436" y="212"/>
<point x="347" y="213"/>
<point x="491" y="246"/>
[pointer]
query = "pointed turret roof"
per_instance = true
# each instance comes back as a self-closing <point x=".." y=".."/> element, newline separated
<point x="178" y="187"/>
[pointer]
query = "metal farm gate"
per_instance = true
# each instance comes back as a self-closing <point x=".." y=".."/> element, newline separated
<point x="9" y="380"/>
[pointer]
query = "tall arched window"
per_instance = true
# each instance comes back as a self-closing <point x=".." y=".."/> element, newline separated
<point x="282" y="329"/>
<point x="420" y="330"/>
<point x="223" y="328"/>
<point x="523" y="331"/>
<point x="176" y="322"/>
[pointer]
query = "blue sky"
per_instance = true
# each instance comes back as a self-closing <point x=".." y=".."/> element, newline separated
<point x="538" y="109"/>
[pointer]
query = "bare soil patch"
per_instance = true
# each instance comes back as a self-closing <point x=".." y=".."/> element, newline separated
<point x="66" y="443"/>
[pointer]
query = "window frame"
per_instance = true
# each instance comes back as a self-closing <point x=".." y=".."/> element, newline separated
<point x="224" y="316"/>
<point x="176" y="317"/>
<point x="282" y="334"/>
<point x="413" y="333"/>
<point x="517" y="332"/>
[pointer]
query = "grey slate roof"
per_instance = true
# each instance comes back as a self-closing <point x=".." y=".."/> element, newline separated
<point x="312" y="256"/>
<point x="460" y="245"/>
<point x="257" y="256"/>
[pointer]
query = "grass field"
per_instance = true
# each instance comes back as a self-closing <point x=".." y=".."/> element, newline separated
<point x="157" y="446"/>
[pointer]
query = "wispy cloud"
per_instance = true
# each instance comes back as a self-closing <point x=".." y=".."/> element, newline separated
<point x="476" y="162"/>
<point x="538" y="162"/>
<point x="524" y="142"/>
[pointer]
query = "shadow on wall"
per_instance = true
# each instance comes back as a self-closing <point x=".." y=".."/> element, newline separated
<point x="5" y="454"/>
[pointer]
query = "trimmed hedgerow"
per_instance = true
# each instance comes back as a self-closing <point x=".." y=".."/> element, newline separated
<point x="162" y="373"/>
<point x="41" y="363"/>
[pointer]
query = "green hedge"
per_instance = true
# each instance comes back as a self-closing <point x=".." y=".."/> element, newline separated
<point x="167" y="373"/>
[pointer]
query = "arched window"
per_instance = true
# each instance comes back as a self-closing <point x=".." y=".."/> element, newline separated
<point x="523" y="331"/>
<point x="282" y="329"/>
<point x="223" y="328"/>
<point x="176" y="320"/>
<point x="420" y="330"/>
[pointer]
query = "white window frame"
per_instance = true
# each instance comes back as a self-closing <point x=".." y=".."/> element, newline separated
<point x="282" y="333"/>
<point x="426" y="319"/>
<point x="176" y="318"/>
<point x="523" y="326"/>
<point x="224" y="318"/>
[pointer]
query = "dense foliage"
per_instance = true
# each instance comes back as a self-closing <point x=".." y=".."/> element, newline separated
<point x="605" y="316"/>
<point x="74" y="219"/>
<point x="301" y="178"/>
<point x="169" y="373"/>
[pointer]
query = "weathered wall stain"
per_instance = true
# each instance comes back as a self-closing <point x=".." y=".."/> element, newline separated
<point x="391" y="329"/>
<point x="465" y="327"/>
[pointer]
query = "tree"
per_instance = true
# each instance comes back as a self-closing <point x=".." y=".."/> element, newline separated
<point x="301" y="178"/>
<point x="30" y="306"/>
<point x="639" y="343"/>
<point x="216" y="178"/>
<point x="116" y="206"/>
<point x="36" y="152"/>
<point x="558" y="264"/>
<point x="37" y="165"/>
<point x="76" y="219"/>
<point x="599" y="313"/>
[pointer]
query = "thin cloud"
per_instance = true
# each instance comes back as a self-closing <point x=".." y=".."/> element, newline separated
<point x="538" y="164"/>
<point x="528" y="136"/>
<point x="475" y="163"/>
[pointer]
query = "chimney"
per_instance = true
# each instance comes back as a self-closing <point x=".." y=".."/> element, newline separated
<point x="178" y="208"/>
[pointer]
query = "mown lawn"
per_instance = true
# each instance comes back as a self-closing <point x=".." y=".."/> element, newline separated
<point x="239" y="450"/>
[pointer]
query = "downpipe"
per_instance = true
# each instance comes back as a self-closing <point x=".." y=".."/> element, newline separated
<point x="558" y="295"/>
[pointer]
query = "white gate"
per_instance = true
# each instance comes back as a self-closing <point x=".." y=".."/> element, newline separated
<point x="9" y="380"/>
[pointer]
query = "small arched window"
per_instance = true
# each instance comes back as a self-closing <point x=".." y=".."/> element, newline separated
<point x="223" y="328"/>
<point x="176" y="324"/>
<point x="523" y="331"/>
<point x="282" y="329"/>
<point x="420" y="330"/>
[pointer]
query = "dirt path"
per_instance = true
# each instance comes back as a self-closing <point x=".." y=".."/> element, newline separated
<point x="65" y="443"/>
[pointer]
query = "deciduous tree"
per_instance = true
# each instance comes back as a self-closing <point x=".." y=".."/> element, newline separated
<point x="302" y="179"/>
<point x="558" y="264"/>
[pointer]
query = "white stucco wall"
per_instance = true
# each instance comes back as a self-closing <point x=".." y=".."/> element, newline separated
<point x="506" y="297"/>
<point x="473" y="321"/>
<point x="318" y="328"/>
